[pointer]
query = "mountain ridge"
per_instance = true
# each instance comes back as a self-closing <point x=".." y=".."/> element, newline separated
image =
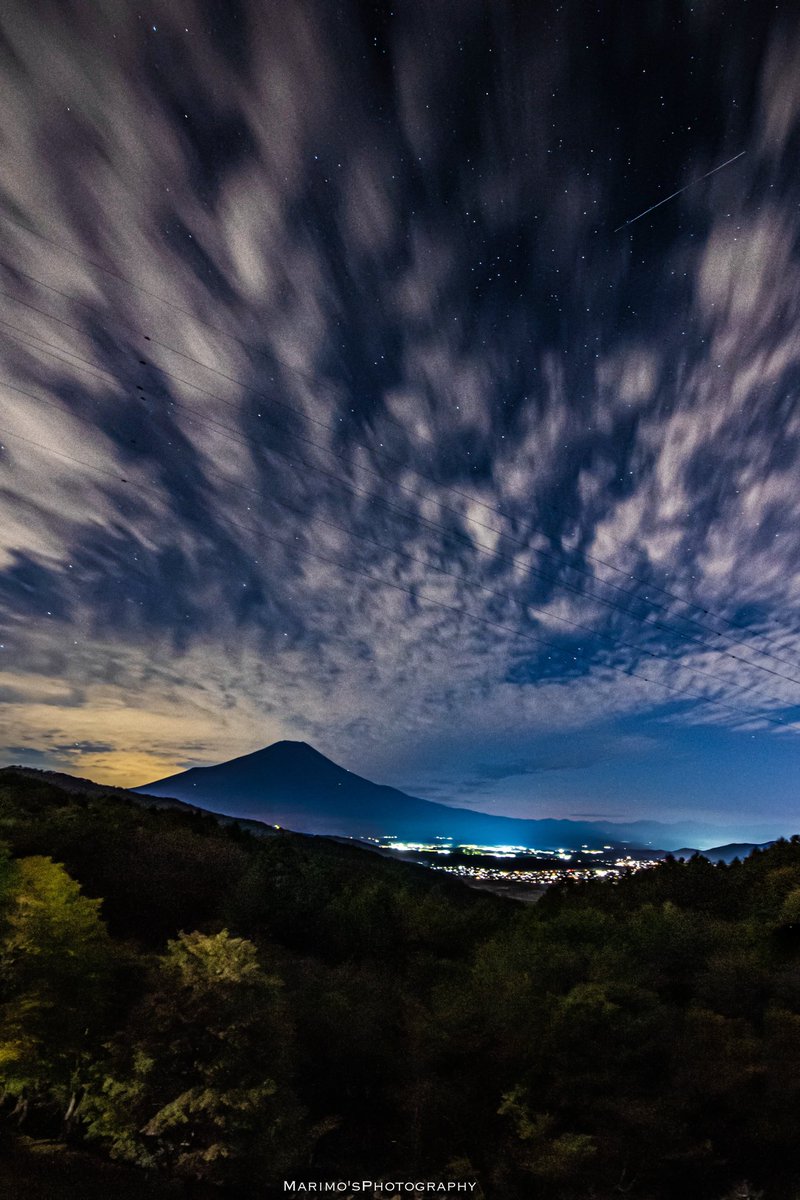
<point x="726" y="853"/>
<point x="294" y="785"/>
<point x="262" y="826"/>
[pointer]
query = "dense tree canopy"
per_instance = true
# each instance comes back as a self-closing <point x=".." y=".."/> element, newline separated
<point x="198" y="1080"/>
<point x="228" y="1010"/>
<point x="56" y="964"/>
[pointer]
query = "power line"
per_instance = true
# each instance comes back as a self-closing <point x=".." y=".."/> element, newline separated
<point x="317" y="383"/>
<point x="416" y="595"/>
<point x="233" y="435"/>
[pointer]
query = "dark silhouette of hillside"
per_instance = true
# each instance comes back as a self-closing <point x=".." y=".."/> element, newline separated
<point x="221" y="1011"/>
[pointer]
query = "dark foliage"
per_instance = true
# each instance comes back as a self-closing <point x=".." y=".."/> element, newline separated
<point x="254" y="1008"/>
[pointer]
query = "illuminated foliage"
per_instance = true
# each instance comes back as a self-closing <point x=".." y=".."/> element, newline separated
<point x="333" y="1010"/>
<point x="56" y="968"/>
<point x="198" y="1082"/>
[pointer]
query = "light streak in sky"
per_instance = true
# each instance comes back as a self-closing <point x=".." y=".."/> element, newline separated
<point x="683" y="189"/>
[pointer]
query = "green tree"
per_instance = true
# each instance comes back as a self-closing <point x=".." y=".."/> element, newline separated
<point x="539" y="1149"/>
<point x="56" y="963"/>
<point x="789" y="916"/>
<point x="198" y="1082"/>
<point x="8" y="878"/>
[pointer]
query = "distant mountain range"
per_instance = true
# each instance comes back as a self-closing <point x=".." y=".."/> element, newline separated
<point x="726" y="853"/>
<point x="292" y="785"/>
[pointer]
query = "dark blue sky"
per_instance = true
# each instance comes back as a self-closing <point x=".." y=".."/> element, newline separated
<point x="334" y="407"/>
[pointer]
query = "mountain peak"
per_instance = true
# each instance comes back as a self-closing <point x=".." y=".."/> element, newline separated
<point x="288" y="749"/>
<point x="286" y="757"/>
<point x="292" y="785"/>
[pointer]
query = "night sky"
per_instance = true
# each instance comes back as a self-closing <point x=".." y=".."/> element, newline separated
<point x="336" y="405"/>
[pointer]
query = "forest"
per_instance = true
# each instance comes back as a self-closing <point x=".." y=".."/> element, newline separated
<point x="188" y="1009"/>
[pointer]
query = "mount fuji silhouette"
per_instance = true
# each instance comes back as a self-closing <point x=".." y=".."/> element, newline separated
<point x="292" y="785"/>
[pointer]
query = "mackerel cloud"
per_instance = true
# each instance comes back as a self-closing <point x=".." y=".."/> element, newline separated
<point x="333" y="407"/>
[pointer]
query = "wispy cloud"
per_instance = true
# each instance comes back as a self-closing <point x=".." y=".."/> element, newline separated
<point x="402" y="371"/>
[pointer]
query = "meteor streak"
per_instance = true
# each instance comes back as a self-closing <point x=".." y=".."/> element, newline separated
<point x="683" y="189"/>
